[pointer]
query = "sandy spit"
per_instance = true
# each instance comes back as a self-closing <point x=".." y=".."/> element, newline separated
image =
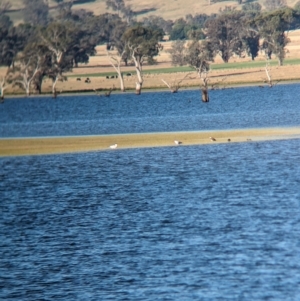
<point x="60" y="145"/>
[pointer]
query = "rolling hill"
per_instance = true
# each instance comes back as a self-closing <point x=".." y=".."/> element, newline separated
<point x="169" y="9"/>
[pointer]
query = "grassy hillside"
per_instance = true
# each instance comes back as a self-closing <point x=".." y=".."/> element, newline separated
<point x="170" y="9"/>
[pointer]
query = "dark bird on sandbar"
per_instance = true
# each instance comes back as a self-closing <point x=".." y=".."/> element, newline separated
<point x="212" y="139"/>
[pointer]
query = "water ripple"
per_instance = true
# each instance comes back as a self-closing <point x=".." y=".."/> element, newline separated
<point x="214" y="222"/>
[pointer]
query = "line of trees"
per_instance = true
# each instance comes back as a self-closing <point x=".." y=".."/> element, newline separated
<point x="47" y="45"/>
<point x="242" y="33"/>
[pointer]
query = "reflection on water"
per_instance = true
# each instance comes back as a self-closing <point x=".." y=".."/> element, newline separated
<point x="214" y="222"/>
<point x="151" y="112"/>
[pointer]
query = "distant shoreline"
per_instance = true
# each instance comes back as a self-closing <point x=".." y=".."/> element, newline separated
<point x="147" y="90"/>
<point x="75" y="144"/>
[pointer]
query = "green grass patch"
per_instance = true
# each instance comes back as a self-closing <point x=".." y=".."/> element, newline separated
<point x="253" y="64"/>
<point x="154" y="71"/>
<point x="223" y="66"/>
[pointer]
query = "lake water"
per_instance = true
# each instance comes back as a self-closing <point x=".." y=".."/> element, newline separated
<point x="150" y="112"/>
<point x="210" y="222"/>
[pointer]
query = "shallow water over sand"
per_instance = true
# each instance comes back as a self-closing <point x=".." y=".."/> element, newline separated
<point x="246" y="107"/>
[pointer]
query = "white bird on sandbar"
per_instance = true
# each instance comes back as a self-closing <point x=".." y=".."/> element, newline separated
<point x="177" y="142"/>
<point x="114" y="145"/>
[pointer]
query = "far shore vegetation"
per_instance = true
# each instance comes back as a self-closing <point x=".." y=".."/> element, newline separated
<point x="45" y="44"/>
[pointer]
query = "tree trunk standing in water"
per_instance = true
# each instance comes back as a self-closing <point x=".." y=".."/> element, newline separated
<point x="142" y="44"/>
<point x="205" y="96"/>
<point x="38" y="81"/>
<point x="204" y="88"/>
<point x="54" y="82"/>
<point x="138" y="68"/>
<point x="139" y="83"/>
<point x="198" y="57"/>
<point x="2" y="87"/>
<point x="116" y="63"/>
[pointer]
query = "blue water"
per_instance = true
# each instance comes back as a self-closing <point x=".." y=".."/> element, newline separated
<point x="151" y="112"/>
<point x="210" y="222"/>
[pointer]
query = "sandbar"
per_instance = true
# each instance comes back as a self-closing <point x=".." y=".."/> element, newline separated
<point x="71" y="144"/>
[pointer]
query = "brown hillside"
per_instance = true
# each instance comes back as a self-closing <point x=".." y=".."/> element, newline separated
<point x="170" y="9"/>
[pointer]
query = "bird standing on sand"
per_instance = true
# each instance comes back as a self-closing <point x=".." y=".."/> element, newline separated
<point x="177" y="142"/>
<point x="114" y="146"/>
<point x="212" y="139"/>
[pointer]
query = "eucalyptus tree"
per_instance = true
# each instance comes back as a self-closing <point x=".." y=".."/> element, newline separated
<point x="128" y="14"/>
<point x="85" y="36"/>
<point x="36" y="12"/>
<point x="274" y="4"/>
<point x="158" y="22"/>
<point x="104" y="28"/>
<point x="123" y="11"/>
<point x="116" y="39"/>
<point x="251" y="7"/>
<point x="27" y="61"/>
<point x="142" y="45"/>
<point x="180" y="30"/>
<point x="177" y="53"/>
<point x="58" y="38"/>
<point x="120" y="53"/>
<point x="28" y="65"/>
<point x="199" y="55"/>
<point x="69" y="42"/>
<point x="225" y="34"/>
<point x="6" y="53"/>
<point x="273" y="28"/>
<point x="250" y="37"/>
<point x="82" y="24"/>
<point x="32" y="65"/>
<point x="251" y="42"/>
<point x="115" y="5"/>
<point x="12" y="41"/>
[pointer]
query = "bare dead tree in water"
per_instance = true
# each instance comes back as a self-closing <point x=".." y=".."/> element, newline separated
<point x="107" y="94"/>
<point x="204" y="87"/>
<point x="174" y="86"/>
<point x="269" y="80"/>
<point x="97" y="92"/>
